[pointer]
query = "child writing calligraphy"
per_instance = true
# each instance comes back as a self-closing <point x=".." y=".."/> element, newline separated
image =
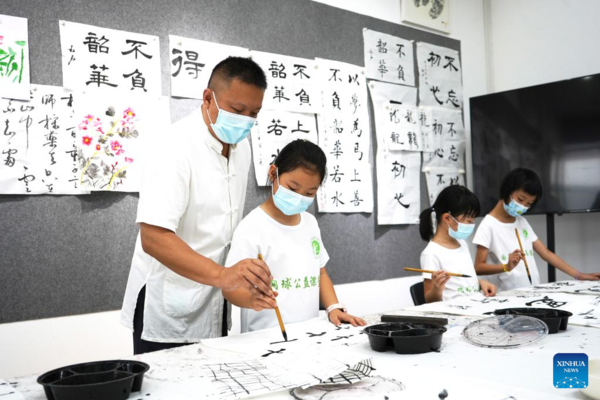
<point x="454" y="210"/>
<point x="498" y="249"/>
<point x="289" y="240"/>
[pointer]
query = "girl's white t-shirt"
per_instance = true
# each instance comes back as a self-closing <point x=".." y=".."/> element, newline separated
<point x="295" y="255"/>
<point x="501" y="240"/>
<point x="436" y="257"/>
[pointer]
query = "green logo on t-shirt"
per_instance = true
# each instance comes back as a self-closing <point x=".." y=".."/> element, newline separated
<point x="525" y="233"/>
<point x="504" y="257"/>
<point x="316" y="247"/>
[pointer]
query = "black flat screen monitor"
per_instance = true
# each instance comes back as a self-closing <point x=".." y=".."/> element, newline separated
<point x="553" y="129"/>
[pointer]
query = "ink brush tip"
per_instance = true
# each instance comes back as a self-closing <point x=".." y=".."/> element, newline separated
<point x="284" y="335"/>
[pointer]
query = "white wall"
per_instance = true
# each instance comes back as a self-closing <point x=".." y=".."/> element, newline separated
<point x="33" y="347"/>
<point x="540" y="41"/>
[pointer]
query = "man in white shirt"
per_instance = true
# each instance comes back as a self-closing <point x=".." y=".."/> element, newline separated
<point x="191" y="200"/>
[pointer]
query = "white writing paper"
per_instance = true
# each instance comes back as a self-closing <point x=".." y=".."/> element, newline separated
<point x="101" y="60"/>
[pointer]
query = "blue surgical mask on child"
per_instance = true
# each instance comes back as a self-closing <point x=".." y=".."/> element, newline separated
<point x="230" y="128"/>
<point x="288" y="202"/>
<point x="514" y="209"/>
<point x="463" y="231"/>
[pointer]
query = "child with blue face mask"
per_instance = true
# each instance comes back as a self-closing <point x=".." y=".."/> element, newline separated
<point x="498" y="251"/>
<point x="454" y="213"/>
<point x="289" y="240"/>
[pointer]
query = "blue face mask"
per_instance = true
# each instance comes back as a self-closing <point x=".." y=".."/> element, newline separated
<point x="288" y="202"/>
<point x="231" y="128"/>
<point x="514" y="209"/>
<point x="463" y="231"/>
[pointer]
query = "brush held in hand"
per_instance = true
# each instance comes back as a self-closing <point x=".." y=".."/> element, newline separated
<point x="431" y="272"/>
<point x="283" y="332"/>
<point x="524" y="258"/>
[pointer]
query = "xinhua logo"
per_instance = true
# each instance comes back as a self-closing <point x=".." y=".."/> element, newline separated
<point x="570" y="370"/>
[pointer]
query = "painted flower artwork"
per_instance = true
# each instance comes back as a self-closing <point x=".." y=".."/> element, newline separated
<point x="103" y="151"/>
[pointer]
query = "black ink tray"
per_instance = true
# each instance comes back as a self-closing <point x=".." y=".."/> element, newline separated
<point x="101" y="380"/>
<point x="409" y="338"/>
<point x="557" y="320"/>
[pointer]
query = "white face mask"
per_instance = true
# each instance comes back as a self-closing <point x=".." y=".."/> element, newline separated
<point x="288" y="202"/>
<point x="230" y="128"/>
<point x="462" y="232"/>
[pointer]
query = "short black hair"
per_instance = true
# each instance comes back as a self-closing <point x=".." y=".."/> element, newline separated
<point x="241" y="68"/>
<point x="304" y="154"/>
<point x="524" y="179"/>
<point x="456" y="200"/>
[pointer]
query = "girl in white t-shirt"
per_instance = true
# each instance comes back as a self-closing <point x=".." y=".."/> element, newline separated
<point x="455" y="210"/>
<point x="498" y="253"/>
<point x="289" y="240"/>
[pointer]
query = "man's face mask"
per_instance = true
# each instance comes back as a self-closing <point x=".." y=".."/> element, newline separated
<point x="230" y="128"/>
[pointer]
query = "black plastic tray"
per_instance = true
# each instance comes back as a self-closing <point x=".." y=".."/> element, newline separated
<point x="101" y="380"/>
<point x="409" y="338"/>
<point x="557" y="320"/>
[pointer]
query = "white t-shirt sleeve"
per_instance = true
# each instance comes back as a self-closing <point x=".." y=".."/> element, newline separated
<point x="323" y="255"/>
<point x="430" y="262"/>
<point x="241" y="247"/>
<point x="165" y="189"/>
<point x="532" y="234"/>
<point x="483" y="236"/>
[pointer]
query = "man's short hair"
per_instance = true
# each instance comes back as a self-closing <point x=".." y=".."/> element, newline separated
<point x="241" y="68"/>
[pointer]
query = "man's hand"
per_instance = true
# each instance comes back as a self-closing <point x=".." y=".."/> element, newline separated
<point x="251" y="275"/>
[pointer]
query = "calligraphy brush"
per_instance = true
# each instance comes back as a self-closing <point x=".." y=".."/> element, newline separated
<point x="283" y="332"/>
<point x="524" y="258"/>
<point x="431" y="272"/>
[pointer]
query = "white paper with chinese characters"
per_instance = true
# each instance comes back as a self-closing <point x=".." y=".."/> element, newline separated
<point x="398" y="172"/>
<point x="37" y="150"/>
<point x="398" y="187"/>
<point x="192" y="62"/>
<point x="446" y="138"/>
<point x="114" y="135"/>
<point x="108" y="61"/>
<point x="348" y="187"/>
<point x="344" y="136"/>
<point x="273" y="130"/>
<point x="401" y="127"/>
<point x="437" y="180"/>
<point x="585" y="308"/>
<point x="440" y="77"/>
<point x="14" y="58"/>
<point x="291" y="83"/>
<point x="7" y="392"/>
<point x="315" y="348"/>
<point x="389" y="58"/>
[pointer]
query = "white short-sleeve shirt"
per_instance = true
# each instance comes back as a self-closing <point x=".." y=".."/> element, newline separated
<point x="189" y="188"/>
<point x="294" y="254"/>
<point x="436" y="257"/>
<point x="501" y="240"/>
